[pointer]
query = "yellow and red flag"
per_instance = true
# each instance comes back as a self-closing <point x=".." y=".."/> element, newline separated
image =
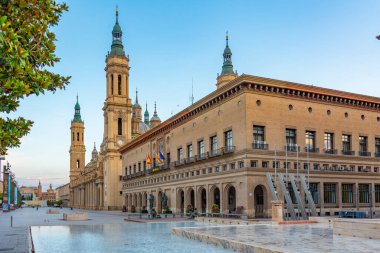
<point x="148" y="159"/>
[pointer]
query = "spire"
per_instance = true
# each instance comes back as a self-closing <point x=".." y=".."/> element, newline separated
<point x="136" y="105"/>
<point x="117" y="45"/>
<point x="77" y="116"/>
<point x="227" y="68"/>
<point x="155" y="115"/>
<point x="94" y="152"/>
<point x="146" y="114"/>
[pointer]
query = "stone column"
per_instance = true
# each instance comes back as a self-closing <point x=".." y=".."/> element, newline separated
<point x="339" y="195"/>
<point x="277" y="210"/>
<point x="321" y="198"/>
<point x="101" y="195"/>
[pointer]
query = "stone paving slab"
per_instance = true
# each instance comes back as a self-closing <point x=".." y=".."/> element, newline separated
<point x="314" y="238"/>
<point x="14" y="239"/>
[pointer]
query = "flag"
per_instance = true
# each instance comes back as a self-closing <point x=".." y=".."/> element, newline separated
<point x="148" y="160"/>
<point x="162" y="157"/>
<point x="378" y="37"/>
<point x="158" y="158"/>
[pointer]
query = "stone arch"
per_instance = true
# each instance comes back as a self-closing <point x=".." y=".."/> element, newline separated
<point x="144" y="200"/>
<point x="202" y="200"/>
<point x="229" y="202"/>
<point x="190" y="197"/>
<point x="180" y="200"/>
<point x="214" y="196"/>
<point x="260" y="201"/>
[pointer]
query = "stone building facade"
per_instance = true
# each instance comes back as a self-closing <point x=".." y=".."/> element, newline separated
<point x="218" y="150"/>
<point x="63" y="193"/>
<point x="97" y="184"/>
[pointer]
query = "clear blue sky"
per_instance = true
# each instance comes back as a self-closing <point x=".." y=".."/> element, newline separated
<point x="321" y="42"/>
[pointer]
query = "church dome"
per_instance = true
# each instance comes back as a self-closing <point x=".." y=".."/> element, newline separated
<point x="143" y="127"/>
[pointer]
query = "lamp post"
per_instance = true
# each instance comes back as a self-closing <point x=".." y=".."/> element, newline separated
<point x="1" y="158"/>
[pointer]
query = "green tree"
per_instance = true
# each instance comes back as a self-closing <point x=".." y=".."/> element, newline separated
<point x="27" y="53"/>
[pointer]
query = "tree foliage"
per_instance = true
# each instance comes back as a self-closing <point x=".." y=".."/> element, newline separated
<point x="27" y="52"/>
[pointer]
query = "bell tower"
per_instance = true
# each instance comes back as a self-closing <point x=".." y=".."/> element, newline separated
<point x="117" y="111"/>
<point x="77" y="148"/>
<point x="228" y="73"/>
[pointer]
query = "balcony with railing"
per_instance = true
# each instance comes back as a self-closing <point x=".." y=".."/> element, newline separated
<point x="215" y="152"/>
<point x="330" y="151"/>
<point x="189" y="160"/>
<point x="260" y="145"/>
<point x="292" y="147"/>
<point x="311" y="150"/>
<point x="179" y="162"/>
<point x="201" y="157"/>
<point x="348" y="152"/>
<point x="228" y="149"/>
<point x="364" y="153"/>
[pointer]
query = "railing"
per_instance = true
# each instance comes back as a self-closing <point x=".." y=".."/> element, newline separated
<point x="364" y="153"/>
<point x="201" y="157"/>
<point x="259" y="145"/>
<point x="311" y="149"/>
<point x="348" y="152"/>
<point x="179" y="162"/>
<point x="165" y="166"/>
<point x="228" y="149"/>
<point x="330" y="151"/>
<point x="215" y="152"/>
<point x="189" y="160"/>
<point x="292" y="147"/>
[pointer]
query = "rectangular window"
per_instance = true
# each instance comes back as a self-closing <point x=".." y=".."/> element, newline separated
<point x="291" y="135"/>
<point x="347" y="193"/>
<point x="119" y="126"/>
<point x="144" y="165"/>
<point x="363" y="146"/>
<point x="363" y="193"/>
<point x="330" y="193"/>
<point x="139" y="166"/>
<point x="346" y="144"/>
<point x="232" y="166"/>
<point x="259" y="137"/>
<point x="329" y="142"/>
<point x="209" y="170"/>
<point x="180" y="154"/>
<point x="314" y="191"/>
<point x="377" y="193"/>
<point x="201" y="147"/>
<point x="189" y="150"/>
<point x="310" y="141"/>
<point x="253" y="163"/>
<point x="225" y="167"/>
<point x="217" y="169"/>
<point x="228" y="139"/>
<point x="275" y="165"/>
<point x="265" y="164"/>
<point x="214" y="145"/>
<point x="377" y="147"/>
<point x="241" y="165"/>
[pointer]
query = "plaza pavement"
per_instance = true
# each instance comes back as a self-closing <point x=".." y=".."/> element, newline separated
<point x="16" y="239"/>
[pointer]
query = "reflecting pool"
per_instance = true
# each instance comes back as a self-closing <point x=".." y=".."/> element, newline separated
<point x="129" y="237"/>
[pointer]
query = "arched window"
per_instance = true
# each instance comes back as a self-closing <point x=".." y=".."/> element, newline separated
<point x="111" y="84"/>
<point x="78" y="164"/>
<point x="82" y="136"/>
<point x="119" y="126"/>
<point x="78" y="136"/>
<point x="119" y="84"/>
<point x="73" y="136"/>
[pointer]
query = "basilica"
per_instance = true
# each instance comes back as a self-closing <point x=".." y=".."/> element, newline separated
<point x="97" y="184"/>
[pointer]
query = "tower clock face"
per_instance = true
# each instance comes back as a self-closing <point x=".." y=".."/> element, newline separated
<point x="120" y="142"/>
